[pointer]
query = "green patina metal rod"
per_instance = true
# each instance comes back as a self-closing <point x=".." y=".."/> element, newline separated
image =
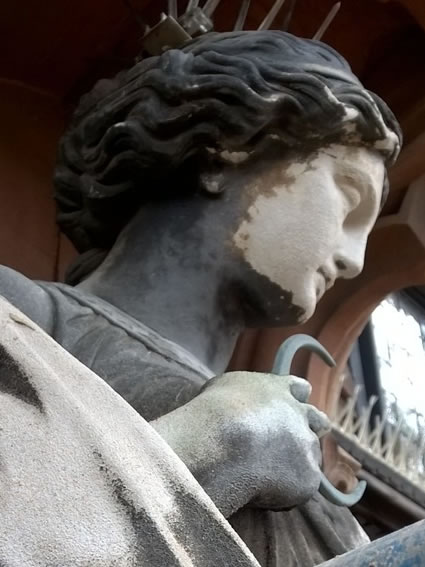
<point x="282" y="366"/>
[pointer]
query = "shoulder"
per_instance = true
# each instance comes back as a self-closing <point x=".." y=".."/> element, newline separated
<point x="27" y="296"/>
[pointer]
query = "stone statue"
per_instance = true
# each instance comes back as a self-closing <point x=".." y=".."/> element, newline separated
<point x="219" y="186"/>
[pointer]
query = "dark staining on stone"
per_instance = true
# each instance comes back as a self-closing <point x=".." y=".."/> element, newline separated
<point x="247" y="216"/>
<point x="332" y="155"/>
<point x="150" y="545"/>
<point x="16" y="382"/>
<point x="267" y="173"/>
<point x="270" y="174"/>
<point x="275" y="178"/>
<point x="293" y="312"/>
<point x="280" y="308"/>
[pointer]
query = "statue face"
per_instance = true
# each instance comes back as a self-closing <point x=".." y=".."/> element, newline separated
<point x="308" y="222"/>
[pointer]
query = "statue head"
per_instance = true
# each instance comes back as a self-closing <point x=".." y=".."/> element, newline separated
<point x="284" y="116"/>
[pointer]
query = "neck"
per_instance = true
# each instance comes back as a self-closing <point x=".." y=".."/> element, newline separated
<point x="167" y="271"/>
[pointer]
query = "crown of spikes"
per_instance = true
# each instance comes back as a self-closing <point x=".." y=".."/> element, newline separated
<point x="173" y="30"/>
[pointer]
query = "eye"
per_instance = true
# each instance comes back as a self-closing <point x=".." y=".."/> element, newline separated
<point x="352" y="197"/>
<point x="348" y="185"/>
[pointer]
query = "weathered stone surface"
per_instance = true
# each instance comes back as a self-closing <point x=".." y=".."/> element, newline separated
<point x="224" y="185"/>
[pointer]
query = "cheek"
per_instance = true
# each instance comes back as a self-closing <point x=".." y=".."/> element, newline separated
<point x="263" y="238"/>
<point x="288" y="240"/>
<point x="281" y="241"/>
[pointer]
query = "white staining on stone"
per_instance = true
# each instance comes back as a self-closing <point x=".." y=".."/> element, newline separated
<point x="234" y="157"/>
<point x="332" y="98"/>
<point x="229" y="156"/>
<point x="212" y="183"/>
<point x="274" y="97"/>
<point x="296" y="168"/>
<point x="351" y="113"/>
<point x="309" y="222"/>
<point x="389" y="143"/>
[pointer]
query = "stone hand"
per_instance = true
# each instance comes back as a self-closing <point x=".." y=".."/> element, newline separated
<point x="250" y="438"/>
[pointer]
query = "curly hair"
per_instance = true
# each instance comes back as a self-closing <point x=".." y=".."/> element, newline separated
<point x="134" y="136"/>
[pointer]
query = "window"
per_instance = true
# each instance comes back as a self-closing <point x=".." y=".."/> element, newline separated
<point x="399" y="336"/>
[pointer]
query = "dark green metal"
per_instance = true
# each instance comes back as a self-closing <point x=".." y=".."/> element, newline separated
<point x="404" y="548"/>
<point x="282" y="366"/>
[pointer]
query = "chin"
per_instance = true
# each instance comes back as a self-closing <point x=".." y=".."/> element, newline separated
<point x="307" y="308"/>
<point x="306" y="316"/>
<point x="267" y="304"/>
<point x="289" y="311"/>
<point x="287" y="314"/>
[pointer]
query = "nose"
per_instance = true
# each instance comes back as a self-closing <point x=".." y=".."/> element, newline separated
<point x="349" y="259"/>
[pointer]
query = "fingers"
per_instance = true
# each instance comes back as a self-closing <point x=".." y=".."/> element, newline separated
<point x="300" y="389"/>
<point x="318" y="421"/>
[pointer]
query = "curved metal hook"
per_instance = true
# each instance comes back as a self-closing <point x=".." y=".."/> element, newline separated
<point x="282" y="365"/>
<point x="335" y="496"/>
<point x="289" y="348"/>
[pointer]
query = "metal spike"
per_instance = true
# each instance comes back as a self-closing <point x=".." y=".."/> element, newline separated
<point x="374" y="439"/>
<point x="288" y="18"/>
<point x="376" y="447"/>
<point x="349" y="417"/>
<point x="192" y="4"/>
<point x="334" y="413"/>
<point x="342" y="414"/>
<point x="210" y="6"/>
<point x="365" y="421"/>
<point x="357" y="423"/>
<point x="420" y="473"/>
<point x="405" y="454"/>
<point x="269" y="19"/>
<point x="353" y="420"/>
<point x="327" y="21"/>
<point x="172" y="9"/>
<point x="240" y="22"/>
<point x="393" y="437"/>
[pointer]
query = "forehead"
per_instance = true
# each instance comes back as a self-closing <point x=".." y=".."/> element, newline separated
<point x="343" y="166"/>
<point x="363" y="163"/>
<point x="347" y="165"/>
